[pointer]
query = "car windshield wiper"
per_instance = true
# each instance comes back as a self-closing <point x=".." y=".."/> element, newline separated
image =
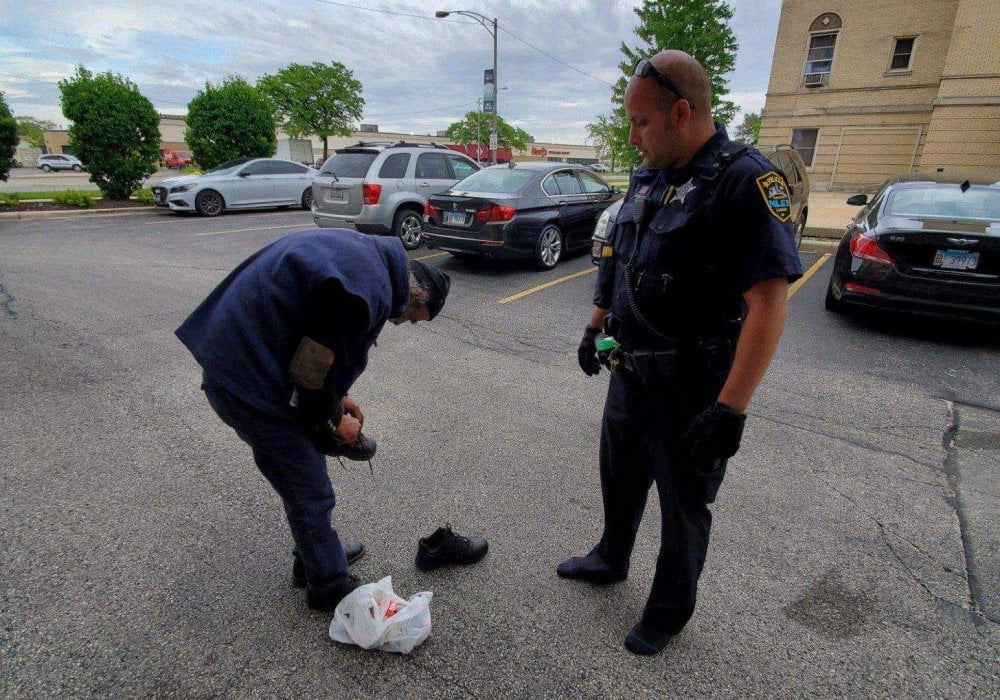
<point x="331" y="173"/>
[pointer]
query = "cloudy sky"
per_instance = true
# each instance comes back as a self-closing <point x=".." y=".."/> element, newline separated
<point x="557" y="58"/>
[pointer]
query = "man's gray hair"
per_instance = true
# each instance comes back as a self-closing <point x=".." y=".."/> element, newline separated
<point x="418" y="294"/>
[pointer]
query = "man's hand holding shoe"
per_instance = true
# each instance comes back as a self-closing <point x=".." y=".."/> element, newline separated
<point x="586" y="354"/>
<point x="715" y="433"/>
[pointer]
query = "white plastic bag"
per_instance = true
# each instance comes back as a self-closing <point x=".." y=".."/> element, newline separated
<point x="374" y="617"/>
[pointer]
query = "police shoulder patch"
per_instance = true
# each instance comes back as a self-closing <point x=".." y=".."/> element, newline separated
<point x="775" y="193"/>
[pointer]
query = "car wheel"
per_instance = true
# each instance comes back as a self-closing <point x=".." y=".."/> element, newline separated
<point x="307" y="199"/>
<point x="408" y="226"/>
<point x="209" y="203"/>
<point x="830" y="302"/>
<point x="548" y="249"/>
<point x="77" y="169"/>
<point x="46" y="168"/>
<point x="800" y="229"/>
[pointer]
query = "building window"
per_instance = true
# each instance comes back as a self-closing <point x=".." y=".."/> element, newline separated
<point x="902" y="54"/>
<point x="822" y="43"/>
<point x="804" y="141"/>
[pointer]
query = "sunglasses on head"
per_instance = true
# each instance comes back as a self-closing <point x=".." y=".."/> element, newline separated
<point x="645" y="69"/>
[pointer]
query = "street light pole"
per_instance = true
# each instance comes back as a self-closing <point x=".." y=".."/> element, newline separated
<point x="486" y="23"/>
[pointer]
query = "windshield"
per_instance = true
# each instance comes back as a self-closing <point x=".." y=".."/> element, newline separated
<point x="495" y="180"/>
<point x="231" y="165"/>
<point x="348" y="164"/>
<point x="978" y="202"/>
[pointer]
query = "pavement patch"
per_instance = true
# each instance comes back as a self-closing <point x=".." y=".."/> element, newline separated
<point x="831" y="608"/>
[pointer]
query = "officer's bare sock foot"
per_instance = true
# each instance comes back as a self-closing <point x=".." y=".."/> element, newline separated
<point x="591" y="568"/>
<point x="646" y="641"/>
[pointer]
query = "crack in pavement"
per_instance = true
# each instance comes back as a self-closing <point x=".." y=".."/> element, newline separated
<point x="976" y="596"/>
<point x="848" y="440"/>
<point x="504" y="343"/>
<point x="7" y="302"/>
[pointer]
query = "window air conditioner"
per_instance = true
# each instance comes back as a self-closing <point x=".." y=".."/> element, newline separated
<point x="815" y="79"/>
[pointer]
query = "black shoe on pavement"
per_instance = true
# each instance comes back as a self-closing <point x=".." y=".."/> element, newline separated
<point x="353" y="550"/>
<point x="646" y="641"/>
<point x="445" y="548"/>
<point x="591" y="568"/>
<point x="327" y="598"/>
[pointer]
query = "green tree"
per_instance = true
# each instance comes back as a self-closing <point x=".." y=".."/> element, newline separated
<point x="610" y="141"/>
<point x="229" y="121"/>
<point x="475" y="128"/>
<point x="748" y="131"/>
<point x="114" y="131"/>
<point x="8" y="139"/>
<point x="699" y="27"/>
<point x="33" y="130"/>
<point x="320" y="99"/>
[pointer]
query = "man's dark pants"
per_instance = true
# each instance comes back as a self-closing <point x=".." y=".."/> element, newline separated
<point x="294" y="468"/>
<point x="642" y="442"/>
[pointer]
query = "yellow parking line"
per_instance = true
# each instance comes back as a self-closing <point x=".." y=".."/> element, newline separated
<point x="244" y="230"/>
<point x="809" y="273"/>
<point x="526" y="292"/>
<point x="431" y="255"/>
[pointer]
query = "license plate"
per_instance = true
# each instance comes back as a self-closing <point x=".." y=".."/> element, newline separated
<point x="337" y="195"/>
<point x="956" y="260"/>
<point x="453" y="218"/>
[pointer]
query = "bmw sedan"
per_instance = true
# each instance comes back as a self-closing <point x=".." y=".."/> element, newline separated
<point x="536" y="211"/>
<point x="925" y="243"/>
<point x="248" y="183"/>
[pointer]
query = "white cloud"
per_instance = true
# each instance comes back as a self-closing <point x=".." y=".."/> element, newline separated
<point x="414" y="71"/>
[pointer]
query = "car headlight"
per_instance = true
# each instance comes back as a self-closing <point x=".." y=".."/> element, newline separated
<point x="601" y="229"/>
<point x="182" y="188"/>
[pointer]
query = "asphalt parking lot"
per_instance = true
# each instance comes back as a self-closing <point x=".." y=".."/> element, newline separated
<point x="855" y="543"/>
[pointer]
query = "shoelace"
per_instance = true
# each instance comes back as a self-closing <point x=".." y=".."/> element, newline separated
<point x="371" y="469"/>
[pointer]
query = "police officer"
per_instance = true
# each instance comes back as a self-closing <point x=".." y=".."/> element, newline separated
<point x="281" y="340"/>
<point x="692" y="284"/>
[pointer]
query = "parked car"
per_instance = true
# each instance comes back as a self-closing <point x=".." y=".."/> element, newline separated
<point x="926" y="242"/>
<point x="382" y="187"/>
<point x="176" y="159"/>
<point x="59" y="161"/>
<point x="788" y="161"/>
<point x="247" y="183"/>
<point x="529" y="210"/>
<point x="785" y="159"/>
<point x="599" y="167"/>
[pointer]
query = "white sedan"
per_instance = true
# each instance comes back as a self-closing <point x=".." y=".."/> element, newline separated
<point x="248" y="183"/>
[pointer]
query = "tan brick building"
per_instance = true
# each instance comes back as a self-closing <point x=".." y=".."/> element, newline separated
<point x="865" y="89"/>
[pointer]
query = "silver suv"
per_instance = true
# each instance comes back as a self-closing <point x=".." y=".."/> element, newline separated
<point x="59" y="161"/>
<point x="382" y="187"/>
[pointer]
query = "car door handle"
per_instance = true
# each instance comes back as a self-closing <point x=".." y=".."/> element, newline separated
<point x="425" y="184"/>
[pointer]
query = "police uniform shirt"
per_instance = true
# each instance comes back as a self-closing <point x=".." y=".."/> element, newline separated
<point x="702" y="242"/>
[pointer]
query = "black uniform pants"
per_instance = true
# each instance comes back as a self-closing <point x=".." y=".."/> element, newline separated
<point x="641" y="444"/>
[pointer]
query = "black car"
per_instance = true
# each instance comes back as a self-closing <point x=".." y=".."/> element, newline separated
<point x="524" y="210"/>
<point x="924" y="243"/>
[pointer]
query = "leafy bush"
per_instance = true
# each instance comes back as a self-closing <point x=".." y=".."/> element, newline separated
<point x="144" y="195"/>
<point x="74" y="198"/>
<point x="115" y="130"/>
<point x="233" y="120"/>
<point x="8" y="139"/>
<point x="190" y="170"/>
<point x="10" y="199"/>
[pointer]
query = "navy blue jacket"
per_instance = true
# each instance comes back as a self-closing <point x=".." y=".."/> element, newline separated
<point x="334" y="285"/>
<point x="696" y="245"/>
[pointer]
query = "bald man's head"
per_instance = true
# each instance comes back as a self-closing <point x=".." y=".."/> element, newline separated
<point x="689" y="76"/>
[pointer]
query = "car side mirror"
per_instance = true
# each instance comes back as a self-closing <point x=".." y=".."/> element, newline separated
<point x="858" y="200"/>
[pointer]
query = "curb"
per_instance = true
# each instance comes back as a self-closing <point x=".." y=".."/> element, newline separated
<point x="824" y="232"/>
<point x="818" y="245"/>
<point x="67" y="213"/>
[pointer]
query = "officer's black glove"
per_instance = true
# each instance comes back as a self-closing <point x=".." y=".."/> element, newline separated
<point x="586" y="354"/>
<point x="715" y="432"/>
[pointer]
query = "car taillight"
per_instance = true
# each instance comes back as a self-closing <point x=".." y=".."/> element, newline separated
<point x="866" y="248"/>
<point x="371" y="193"/>
<point x="431" y="210"/>
<point x="496" y="213"/>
